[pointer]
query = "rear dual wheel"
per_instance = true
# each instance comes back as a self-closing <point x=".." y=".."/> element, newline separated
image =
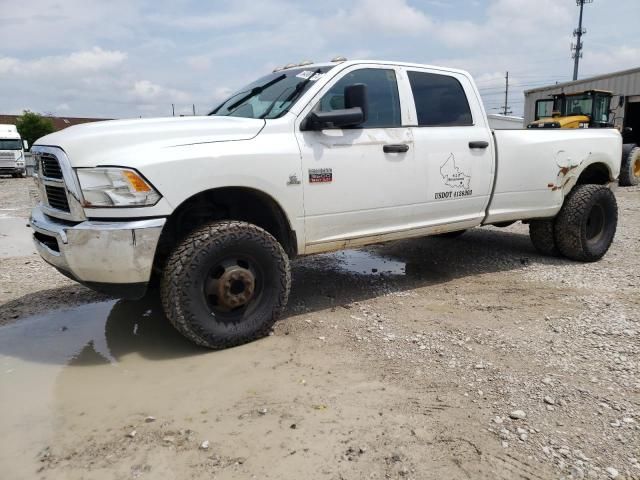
<point x="584" y="228"/>
<point x="225" y="284"/>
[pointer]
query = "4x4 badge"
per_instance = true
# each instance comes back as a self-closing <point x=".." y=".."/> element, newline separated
<point x="293" y="180"/>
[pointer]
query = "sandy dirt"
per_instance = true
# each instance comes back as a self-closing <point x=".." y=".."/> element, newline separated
<point x="406" y="360"/>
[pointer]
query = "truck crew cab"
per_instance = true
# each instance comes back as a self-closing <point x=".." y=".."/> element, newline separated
<point x="310" y="158"/>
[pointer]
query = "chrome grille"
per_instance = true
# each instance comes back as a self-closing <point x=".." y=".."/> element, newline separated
<point x="57" y="197"/>
<point x="58" y="187"/>
<point x="50" y="167"/>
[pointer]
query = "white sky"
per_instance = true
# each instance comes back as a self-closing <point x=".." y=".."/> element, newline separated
<point x="129" y="58"/>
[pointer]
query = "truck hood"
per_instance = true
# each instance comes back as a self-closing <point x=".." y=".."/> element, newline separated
<point x="98" y="143"/>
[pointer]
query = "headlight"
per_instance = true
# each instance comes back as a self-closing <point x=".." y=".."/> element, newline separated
<point x="115" y="187"/>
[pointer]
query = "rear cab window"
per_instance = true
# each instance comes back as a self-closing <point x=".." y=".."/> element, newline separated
<point x="440" y="100"/>
<point x="382" y="90"/>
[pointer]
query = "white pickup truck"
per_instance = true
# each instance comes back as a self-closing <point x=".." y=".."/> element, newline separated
<point x="308" y="159"/>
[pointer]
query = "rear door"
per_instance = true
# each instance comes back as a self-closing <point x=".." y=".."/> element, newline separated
<point x="453" y="146"/>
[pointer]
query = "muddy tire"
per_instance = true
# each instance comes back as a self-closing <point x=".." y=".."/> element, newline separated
<point x="225" y="284"/>
<point x="587" y="222"/>
<point x="542" y="236"/>
<point x="630" y="167"/>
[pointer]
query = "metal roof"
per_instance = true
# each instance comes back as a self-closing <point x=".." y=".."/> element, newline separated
<point x="583" y="80"/>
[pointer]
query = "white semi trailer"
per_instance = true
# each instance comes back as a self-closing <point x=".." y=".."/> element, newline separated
<point x="12" y="147"/>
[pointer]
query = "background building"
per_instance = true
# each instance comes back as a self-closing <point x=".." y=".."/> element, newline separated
<point x="625" y="104"/>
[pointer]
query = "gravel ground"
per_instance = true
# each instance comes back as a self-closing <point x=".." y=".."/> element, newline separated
<point x="472" y="357"/>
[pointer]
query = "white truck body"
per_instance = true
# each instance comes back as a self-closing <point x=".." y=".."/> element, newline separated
<point x="12" y="161"/>
<point x="336" y="188"/>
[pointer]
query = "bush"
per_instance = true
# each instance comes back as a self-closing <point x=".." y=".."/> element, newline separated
<point x="32" y="126"/>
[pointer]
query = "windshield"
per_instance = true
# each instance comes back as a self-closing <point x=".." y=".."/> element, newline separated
<point x="579" y="105"/>
<point x="11" y="144"/>
<point x="272" y="95"/>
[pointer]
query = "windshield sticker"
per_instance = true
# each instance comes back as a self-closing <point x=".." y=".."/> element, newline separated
<point x="309" y="75"/>
<point x="454" y="178"/>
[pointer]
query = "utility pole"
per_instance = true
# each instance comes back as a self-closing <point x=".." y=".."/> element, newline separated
<point x="194" y="109"/>
<point x="505" y="107"/>
<point x="578" y="32"/>
<point x="173" y="110"/>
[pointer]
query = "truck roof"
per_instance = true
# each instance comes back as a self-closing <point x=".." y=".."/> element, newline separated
<point x="8" y="131"/>
<point x="381" y="62"/>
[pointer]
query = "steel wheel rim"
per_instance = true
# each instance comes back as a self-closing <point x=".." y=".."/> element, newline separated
<point x="232" y="286"/>
<point x="595" y="225"/>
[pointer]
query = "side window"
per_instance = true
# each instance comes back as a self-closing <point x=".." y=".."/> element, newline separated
<point x="440" y="100"/>
<point x="382" y="89"/>
<point x="544" y="108"/>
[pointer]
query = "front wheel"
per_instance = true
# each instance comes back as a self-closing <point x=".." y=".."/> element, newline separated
<point x="586" y="224"/>
<point x="225" y="284"/>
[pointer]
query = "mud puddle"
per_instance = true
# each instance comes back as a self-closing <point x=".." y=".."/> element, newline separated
<point x="367" y="262"/>
<point x="75" y="383"/>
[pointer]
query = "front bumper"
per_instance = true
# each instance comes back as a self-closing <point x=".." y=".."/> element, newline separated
<point x="113" y="257"/>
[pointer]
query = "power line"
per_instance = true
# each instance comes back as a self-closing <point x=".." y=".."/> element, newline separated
<point x="578" y="32"/>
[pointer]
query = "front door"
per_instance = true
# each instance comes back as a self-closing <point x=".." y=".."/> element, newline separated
<point x="356" y="182"/>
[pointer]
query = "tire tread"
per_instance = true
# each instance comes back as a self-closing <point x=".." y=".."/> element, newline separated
<point x="568" y="225"/>
<point x="177" y="272"/>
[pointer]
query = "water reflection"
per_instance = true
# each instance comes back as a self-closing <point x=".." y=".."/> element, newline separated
<point x="96" y="334"/>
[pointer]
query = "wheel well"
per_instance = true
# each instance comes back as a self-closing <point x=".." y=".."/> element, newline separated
<point x="596" y="173"/>
<point x="228" y="203"/>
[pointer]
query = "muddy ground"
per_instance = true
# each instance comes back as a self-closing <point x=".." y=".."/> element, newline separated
<point x="406" y="360"/>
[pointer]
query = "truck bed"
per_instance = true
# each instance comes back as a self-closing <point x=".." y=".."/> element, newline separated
<point x="533" y="173"/>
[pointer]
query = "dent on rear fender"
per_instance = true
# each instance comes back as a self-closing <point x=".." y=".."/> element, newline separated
<point x="567" y="171"/>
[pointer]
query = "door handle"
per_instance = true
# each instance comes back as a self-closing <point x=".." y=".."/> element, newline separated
<point x="396" y="148"/>
<point x="478" y="144"/>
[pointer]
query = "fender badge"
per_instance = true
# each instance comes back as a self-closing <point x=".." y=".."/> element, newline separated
<point x="293" y="180"/>
<point x="320" y="175"/>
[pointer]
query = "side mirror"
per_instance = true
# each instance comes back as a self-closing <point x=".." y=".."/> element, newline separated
<point x="25" y="144"/>
<point x="355" y="112"/>
<point x="627" y="130"/>
<point x="356" y="96"/>
<point x="347" y="117"/>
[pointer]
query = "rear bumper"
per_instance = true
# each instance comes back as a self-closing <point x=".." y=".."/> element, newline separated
<point x="113" y="257"/>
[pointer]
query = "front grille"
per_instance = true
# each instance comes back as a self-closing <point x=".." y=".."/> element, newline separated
<point x="50" y="167"/>
<point x="57" y="197"/>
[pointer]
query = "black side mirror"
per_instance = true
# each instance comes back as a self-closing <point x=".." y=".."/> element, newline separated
<point x="356" y="96"/>
<point x="355" y="112"/>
